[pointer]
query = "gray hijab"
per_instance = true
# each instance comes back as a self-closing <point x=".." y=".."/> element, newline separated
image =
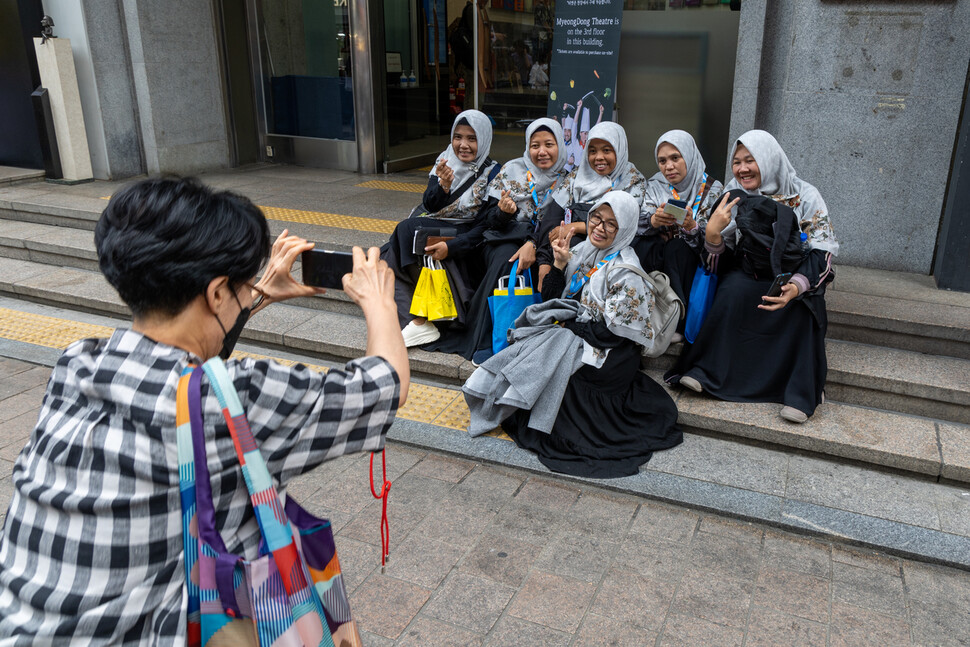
<point x="780" y="183"/>
<point x="588" y="185"/>
<point x="482" y="126"/>
<point x="615" y="295"/>
<point x="688" y="187"/>
<point x="514" y="175"/>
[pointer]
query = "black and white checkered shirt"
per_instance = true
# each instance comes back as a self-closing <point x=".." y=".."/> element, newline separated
<point x="91" y="551"/>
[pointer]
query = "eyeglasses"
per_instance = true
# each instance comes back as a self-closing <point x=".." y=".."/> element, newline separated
<point x="262" y="296"/>
<point x="595" y="221"/>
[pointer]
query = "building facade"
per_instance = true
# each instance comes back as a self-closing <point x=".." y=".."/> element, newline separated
<point x="866" y="97"/>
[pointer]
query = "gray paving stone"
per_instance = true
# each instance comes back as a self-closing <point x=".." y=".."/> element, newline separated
<point x="455" y="523"/>
<point x="797" y="594"/>
<point x="471" y="602"/>
<point x="552" y="601"/>
<point x="856" y="627"/>
<point x="503" y="559"/>
<point x="740" y="530"/>
<point x="428" y="631"/>
<point x="578" y="555"/>
<point x="770" y="628"/>
<point x="725" y="556"/>
<point x="784" y="550"/>
<point x="385" y="605"/>
<point x="722" y="600"/>
<point x="547" y="494"/>
<point x="513" y="632"/>
<point x="602" y="516"/>
<point x="666" y="522"/>
<point x="687" y="631"/>
<point x="634" y="599"/>
<point x="869" y="589"/>
<point x="422" y="560"/>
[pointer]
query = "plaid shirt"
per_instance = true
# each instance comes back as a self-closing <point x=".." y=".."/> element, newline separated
<point x="92" y="544"/>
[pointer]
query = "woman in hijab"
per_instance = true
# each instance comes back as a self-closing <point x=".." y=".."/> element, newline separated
<point x="663" y="243"/>
<point x="515" y="198"/>
<point x="605" y="166"/>
<point x="456" y="191"/>
<point x="754" y="347"/>
<point x="612" y="416"/>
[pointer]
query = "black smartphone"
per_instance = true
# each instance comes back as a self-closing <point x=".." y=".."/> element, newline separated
<point x="323" y="269"/>
<point x="780" y="280"/>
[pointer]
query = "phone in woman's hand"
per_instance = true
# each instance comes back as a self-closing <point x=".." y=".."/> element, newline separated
<point x="780" y="280"/>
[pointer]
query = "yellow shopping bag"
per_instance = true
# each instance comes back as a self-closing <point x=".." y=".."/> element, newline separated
<point x="432" y="298"/>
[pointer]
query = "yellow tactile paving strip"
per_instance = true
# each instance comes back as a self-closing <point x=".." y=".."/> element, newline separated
<point x="430" y="404"/>
<point x="42" y="330"/>
<point x="409" y="187"/>
<point x="337" y="220"/>
<point x="329" y="220"/>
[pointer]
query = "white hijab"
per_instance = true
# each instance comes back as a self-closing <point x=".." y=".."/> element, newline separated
<point x="618" y="296"/>
<point x="780" y="183"/>
<point x="514" y="175"/>
<point x="688" y="187"/>
<point x="588" y="185"/>
<point x="482" y="126"/>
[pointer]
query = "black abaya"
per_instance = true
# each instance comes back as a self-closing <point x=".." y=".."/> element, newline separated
<point x="611" y="419"/>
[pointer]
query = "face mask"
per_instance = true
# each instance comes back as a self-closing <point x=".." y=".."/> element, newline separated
<point x="232" y="336"/>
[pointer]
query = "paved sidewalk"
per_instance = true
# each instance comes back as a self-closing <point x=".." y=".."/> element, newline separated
<point x="486" y="555"/>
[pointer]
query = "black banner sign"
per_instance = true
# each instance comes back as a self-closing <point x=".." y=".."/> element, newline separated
<point x="585" y="53"/>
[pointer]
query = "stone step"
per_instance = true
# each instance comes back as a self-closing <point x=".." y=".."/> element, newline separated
<point x="875" y="439"/>
<point x="330" y="327"/>
<point x="892" y="309"/>
<point x="10" y="175"/>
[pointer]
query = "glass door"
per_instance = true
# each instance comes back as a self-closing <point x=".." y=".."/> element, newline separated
<point x="418" y="80"/>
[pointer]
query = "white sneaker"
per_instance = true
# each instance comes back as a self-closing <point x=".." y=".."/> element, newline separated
<point x="415" y="335"/>
<point x="791" y="414"/>
<point x="691" y="383"/>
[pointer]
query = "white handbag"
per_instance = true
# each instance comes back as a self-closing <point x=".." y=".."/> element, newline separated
<point x="666" y="313"/>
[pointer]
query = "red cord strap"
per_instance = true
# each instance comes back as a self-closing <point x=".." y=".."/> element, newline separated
<point x="385" y="490"/>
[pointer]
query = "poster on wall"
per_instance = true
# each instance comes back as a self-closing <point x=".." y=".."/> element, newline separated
<point x="585" y="54"/>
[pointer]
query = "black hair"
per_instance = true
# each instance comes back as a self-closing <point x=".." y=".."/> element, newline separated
<point x="463" y="122"/>
<point x="161" y="241"/>
<point x="542" y="129"/>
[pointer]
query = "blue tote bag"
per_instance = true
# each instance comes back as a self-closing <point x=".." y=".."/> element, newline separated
<point x="513" y="295"/>
<point x="701" y="296"/>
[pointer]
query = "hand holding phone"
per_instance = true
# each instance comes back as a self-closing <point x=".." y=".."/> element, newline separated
<point x="677" y="209"/>
<point x="780" y="280"/>
<point x="324" y="269"/>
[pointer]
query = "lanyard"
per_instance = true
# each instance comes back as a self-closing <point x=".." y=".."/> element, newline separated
<point x="578" y="279"/>
<point x="697" y="198"/>
<point x="535" y="195"/>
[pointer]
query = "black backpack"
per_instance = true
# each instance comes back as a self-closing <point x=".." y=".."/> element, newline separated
<point x="770" y="240"/>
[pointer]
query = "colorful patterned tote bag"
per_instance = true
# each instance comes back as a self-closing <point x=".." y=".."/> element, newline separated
<point x="292" y="594"/>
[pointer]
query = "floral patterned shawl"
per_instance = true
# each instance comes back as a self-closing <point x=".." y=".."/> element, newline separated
<point x="514" y="176"/>
<point x="617" y="296"/>
<point x="779" y="182"/>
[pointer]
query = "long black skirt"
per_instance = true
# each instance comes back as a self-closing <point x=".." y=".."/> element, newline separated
<point x="743" y="354"/>
<point x="398" y="253"/>
<point x="611" y="421"/>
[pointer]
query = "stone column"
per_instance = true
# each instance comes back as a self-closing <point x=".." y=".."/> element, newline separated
<point x="56" y="63"/>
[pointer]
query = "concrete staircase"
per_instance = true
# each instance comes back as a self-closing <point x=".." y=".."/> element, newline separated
<point x="898" y="392"/>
